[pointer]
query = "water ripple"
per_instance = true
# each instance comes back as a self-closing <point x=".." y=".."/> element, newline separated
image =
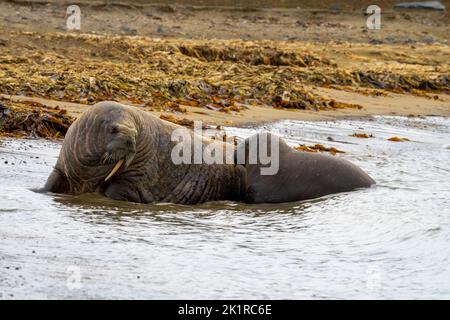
<point x="389" y="241"/>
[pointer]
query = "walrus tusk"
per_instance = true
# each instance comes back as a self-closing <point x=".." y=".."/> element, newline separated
<point x="114" y="170"/>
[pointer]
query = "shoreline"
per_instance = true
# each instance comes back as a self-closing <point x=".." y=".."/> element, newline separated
<point x="259" y="116"/>
<point x="392" y="105"/>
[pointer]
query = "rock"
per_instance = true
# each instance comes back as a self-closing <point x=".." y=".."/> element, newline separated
<point x="334" y="8"/>
<point x="428" y="40"/>
<point x="410" y="41"/>
<point x="129" y="31"/>
<point x="167" y="9"/>
<point x="431" y="5"/>
<point x="375" y="41"/>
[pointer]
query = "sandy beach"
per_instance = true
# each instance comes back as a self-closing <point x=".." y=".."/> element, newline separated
<point x="225" y="66"/>
<point x="395" y="104"/>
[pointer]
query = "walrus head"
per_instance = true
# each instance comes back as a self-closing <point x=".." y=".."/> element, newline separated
<point x="115" y="133"/>
<point x="120" y="146"/>
<point x="97" y="145"/>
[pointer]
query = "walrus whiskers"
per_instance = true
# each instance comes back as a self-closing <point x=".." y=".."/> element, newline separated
<point x="114" y="170"/>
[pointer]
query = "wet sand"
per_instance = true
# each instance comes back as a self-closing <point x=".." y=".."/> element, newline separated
<point x="288" y="20"/>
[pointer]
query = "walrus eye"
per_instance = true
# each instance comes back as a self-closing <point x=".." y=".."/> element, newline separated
<point x="114" y="130"/>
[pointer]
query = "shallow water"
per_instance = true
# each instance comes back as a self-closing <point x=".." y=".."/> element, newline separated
<point x="389" y="241"/>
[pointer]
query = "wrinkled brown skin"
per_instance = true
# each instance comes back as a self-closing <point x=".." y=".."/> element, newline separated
<point x="144" y="141"/>
<point x="301" y="176"/>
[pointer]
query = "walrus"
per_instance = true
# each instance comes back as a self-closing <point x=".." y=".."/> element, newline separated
<point x="125" y="154"/>
<point x="301" y="175"/>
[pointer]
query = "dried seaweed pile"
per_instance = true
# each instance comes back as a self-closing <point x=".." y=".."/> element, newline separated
<point x="164" y="83"/>
<point x="253" y="55"/>
<point x="389" y="80"/>
<point x="33" y="120"/>
<point x="180" y="121"/>
<point x="168" y="75"/>
<point x="318" y="148"/>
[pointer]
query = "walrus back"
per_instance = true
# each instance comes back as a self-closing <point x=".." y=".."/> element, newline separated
<point x="302" y="176"/>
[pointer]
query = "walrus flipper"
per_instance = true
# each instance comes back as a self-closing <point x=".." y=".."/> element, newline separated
<point x="125" y="191"/>
<point x="57" y="183"/>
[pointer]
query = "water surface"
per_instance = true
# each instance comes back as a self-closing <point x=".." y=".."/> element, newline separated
<point x="390" y="241"/>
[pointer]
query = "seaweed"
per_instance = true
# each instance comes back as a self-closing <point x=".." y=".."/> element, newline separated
<point x="180" y="121"/>
<point x="361" y="135"/>
<point x="33" y="120"/>
<point x="398" y="139"/>
<point x="173" y="75"/>
<point x="318" y="148"/>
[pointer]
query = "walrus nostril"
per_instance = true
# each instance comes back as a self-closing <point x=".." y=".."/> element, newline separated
<point x="114" y="130"/>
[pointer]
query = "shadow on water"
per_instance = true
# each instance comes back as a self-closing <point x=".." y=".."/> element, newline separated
<point x="97" y="203"/>
<point x="96" y="209"/>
